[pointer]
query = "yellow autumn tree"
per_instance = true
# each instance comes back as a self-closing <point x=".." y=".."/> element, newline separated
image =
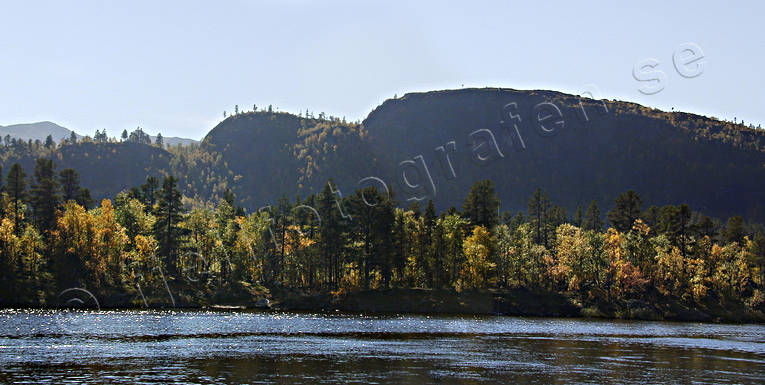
<point x="75" y="233"/>
<point x="623" y="278"/>
<point x="477" y="266"/>
<point x="110" y="240"/>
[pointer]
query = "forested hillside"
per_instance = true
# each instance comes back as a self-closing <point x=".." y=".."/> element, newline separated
<point x="575" y="148"/>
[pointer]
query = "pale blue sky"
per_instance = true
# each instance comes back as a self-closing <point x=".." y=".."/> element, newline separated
<point x="175" y="66"/>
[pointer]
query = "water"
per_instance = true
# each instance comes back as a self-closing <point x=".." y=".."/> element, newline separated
<point x="198" y="347"/>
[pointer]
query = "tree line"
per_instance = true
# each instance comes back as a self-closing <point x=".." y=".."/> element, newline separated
<point x="148" y="243"/>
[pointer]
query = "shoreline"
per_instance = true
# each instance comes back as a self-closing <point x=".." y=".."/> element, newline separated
<point x="511" y="303"/>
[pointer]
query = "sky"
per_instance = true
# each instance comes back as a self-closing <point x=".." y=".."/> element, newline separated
<point x="175" y="66"/>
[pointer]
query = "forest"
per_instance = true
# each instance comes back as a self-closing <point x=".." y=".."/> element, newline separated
<point x="146" y="247"/>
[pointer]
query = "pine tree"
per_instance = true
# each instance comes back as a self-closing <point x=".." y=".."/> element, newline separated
<point x="539" y="206"/>
<point x="124" y="135"/>
<point x="49" y="143"/>
<point x="70" y="184"/>
<point x="481" y="205"/>
<point x="149" y="192"/>
<point x="592" y="220"/>
<point x="44" y="195"/>
<point x="159" y="141"/>
<point x="626" y="210"/>
<point x="734" y="230"/>
<point x="16" y="188"/>
<point x="166" y="228"/>
<point x="578" y="216"/>
<point x="330" y="242"/>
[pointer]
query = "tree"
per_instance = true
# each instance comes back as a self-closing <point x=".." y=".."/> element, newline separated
<point x="758" y="255"/>
<point x="149" y="192"/>
<point x="69" y="180"/>
<point x="330" y="242"/>
<point x="592" y="219"/>
<point x="371" y="227"/>
<point x="159" y="141"/>
<point x="626" y="210"/>
<point x="101" y="137"/>
<point x="674" y="221"/>
<point x="578" y="216"/>
<point x="16" y="189"/>
<point x="44" y="195"/>
<point x="734" y="230"/>
<point x="477" y="266"/>
<point x="166" y="228"/>
<point x="70" y="184"/>
<point x="138" y="136"/>
<point x="124" y="135"/>
<point x="539" y="206"/>
<point x="481" y="205"/>
<point x="73" y="137"/>
<point x="49" y="143"/>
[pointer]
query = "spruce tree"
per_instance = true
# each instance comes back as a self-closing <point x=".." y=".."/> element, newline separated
<point x="481" y="205"/>
<point x="578" y="216"/>
<point x="539" y="206"/>
<point x="330" y="242"/>
<point x="70" y="184"/>
<point x="44" y="195"/>
<point x="626" y="210"/>
<point x="149" y="192"/>
<point x="592" y="219"/>
<point x="734" y="230"/>
<point x="168" y="217"/>
<point x="16" y="187"/>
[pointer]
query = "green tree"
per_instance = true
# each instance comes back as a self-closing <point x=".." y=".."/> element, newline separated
<point x="674" y="221"/>
<point x="49" y="143"/>
<point x="330" y="241"/>
<point x="734" y="230"/>
<point x="124" y="135"/>
<point x="592" y="217"/>
<point x="481" y="205"/>
<point x="539" y="206"/>
<point x="371" y="227"/>
<point x="578" y="216"/>
<point x="159" y="141"/>
<point x="70" y="184"/>
<point x="149" y="192"/>
<point x="17" y="191"/>
<point x="626" y="210"/>
<point x="44" y="195"/>
<point x="166" y="228"/>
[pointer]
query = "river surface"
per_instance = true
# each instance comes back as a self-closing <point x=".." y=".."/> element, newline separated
<point x="199" y="347"/>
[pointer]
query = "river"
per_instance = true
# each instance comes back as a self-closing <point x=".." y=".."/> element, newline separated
<point x="206" y="347"/>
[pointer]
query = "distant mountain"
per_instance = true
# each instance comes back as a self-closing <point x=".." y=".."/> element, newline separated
<point x="35" y="131"/>
<point x="41" y="130"/>
<point x="174" y="140"/>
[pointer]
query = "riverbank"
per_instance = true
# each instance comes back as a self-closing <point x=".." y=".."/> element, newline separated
<point x="513" y="302"/>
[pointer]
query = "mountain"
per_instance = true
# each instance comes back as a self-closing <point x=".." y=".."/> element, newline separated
<point x="35" y="131"/>
<point x="41" y="130"/>
<point x="576" y="149"/>
<point x="174" y="140"/>
<point x="598" y="151"/>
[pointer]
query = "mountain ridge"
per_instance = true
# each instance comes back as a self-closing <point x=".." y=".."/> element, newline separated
<point x="601" y="149"/>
